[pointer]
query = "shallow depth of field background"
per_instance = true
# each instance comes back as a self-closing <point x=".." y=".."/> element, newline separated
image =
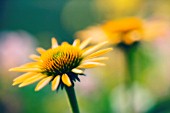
<point x="27" y="24"/>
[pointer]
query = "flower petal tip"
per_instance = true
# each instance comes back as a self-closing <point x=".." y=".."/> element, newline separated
<point x="78" y="71"/>
<point x="14" y="69"/>
<point x="69" y="85"/>
<point x="110" y="49"/>
<point x="22" y="85"/>
<point x="13" y="84"/>
<point x="103" y="65"/>
<point x="36" y="90"/>
<point x="55" y="83"/>
<point x="66" y="80"/>
<point x="53" y="89"/>
<point x="10" y="69"/>
<point x="54" y="42"/>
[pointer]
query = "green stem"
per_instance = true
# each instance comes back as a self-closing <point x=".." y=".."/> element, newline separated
<point x="129" y="54"/>
<point x="72" y="99"/>
<point x="130" y="77"/>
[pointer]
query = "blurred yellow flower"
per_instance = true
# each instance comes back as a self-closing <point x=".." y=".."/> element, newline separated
<point x="61" y="64"/>
<point x="126" y="31"/>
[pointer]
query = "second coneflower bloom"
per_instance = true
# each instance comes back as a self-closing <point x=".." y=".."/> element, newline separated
<point x="126" y="31"/>
<point x="60" y="65"/>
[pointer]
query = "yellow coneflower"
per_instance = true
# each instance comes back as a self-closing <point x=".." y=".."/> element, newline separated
<point x="127" y="30"/>
<point x="61" y="64"/>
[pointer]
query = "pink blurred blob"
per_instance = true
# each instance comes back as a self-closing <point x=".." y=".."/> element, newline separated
<point x="15" y="47"/>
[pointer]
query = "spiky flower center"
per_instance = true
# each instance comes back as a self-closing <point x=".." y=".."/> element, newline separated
<point x="61" y="59"/>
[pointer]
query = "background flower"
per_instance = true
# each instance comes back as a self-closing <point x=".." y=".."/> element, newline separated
<point x="126" y="30"/>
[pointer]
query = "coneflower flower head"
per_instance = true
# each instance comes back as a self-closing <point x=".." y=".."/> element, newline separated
<point x="61" y="64"/>
<point x="126" y="31"/>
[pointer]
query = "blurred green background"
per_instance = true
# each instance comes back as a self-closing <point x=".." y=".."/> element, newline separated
<point x="27" y="24"/>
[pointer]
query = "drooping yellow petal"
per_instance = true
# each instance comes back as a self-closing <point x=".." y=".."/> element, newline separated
<point x="98" y="53"/>
<point x="40" y="50"/>
<point x="96" y="59"/>
<point x="85" y="43"/>
<point x="55" y="83"/>
<point x="54" y="43"/>
<point x="19" y="69"/>
<point x="43" y="83"/>
<point x="23" y="77"/>
<point x="94" y="48"/>
<point x="66" y="80"/>
<point x="90" y="65"/>
<point x="78" y="71"/>
<point x="32" y="80"/>
<point x="76" y="43"/>
<point x="34" y="57"/>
